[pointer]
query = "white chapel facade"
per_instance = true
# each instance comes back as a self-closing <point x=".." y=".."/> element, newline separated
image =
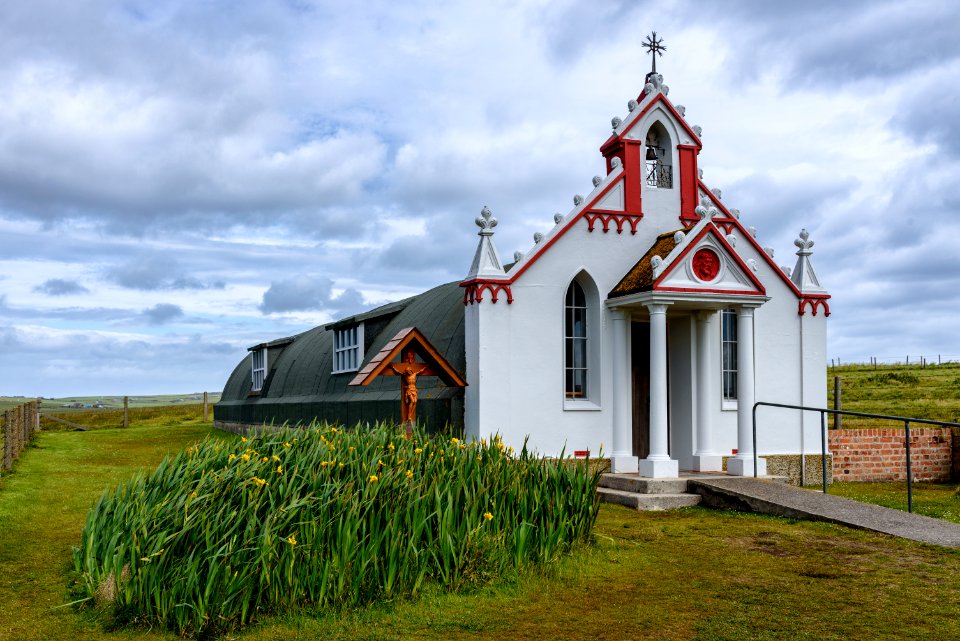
<point x="647" y="322"/>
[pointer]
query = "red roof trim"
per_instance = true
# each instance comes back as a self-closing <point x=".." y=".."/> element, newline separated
<point x="731" y="252"/>
<point x="660" y="98"/>
<point x="731" y="220"/>
<point x="512" y="277"/>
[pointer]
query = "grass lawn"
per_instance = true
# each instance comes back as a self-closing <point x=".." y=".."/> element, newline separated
<point x="692" y="574"/>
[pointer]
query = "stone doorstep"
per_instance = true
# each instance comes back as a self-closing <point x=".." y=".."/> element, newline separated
<point x="648" y="502"/>
<point x="641" y="485"/>
<point x="648" y="494"/>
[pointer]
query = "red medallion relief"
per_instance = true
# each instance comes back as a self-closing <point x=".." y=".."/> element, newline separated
<point x="706" y="265"/>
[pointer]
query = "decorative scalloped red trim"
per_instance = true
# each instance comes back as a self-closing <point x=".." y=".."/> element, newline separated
<point x="473" y="291"/>
<point x="814" y="303"/>
<point x="608" y="217"/>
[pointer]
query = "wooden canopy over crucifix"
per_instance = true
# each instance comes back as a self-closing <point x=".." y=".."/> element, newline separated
<point x="399" y="358"/>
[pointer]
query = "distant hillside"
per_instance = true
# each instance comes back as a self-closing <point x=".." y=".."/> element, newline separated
<point x="931" y="392"/>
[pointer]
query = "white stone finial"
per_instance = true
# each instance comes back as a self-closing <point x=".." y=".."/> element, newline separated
<point x="615" y="162"/>
<point x="716" y="192"/>
<point x="537" y="237"/>
<point x="577" y="200"/>
<point x="803" y="276"/>
<point x="486" y="261"/>
<point x="804" y="243"/>
<point x="486" y="222"/>
<point x="681" y="110"/>
<point x="699" y="173"/>
<point x="615" y="122"/>
<point x="752" y="263"/>
<point x="769" y="251"/>
<point x="703" y="212"/>
<point x="631" y="105"/>
<point x="656" y="262"/>
<point x="517" y="256"/>
<point x="786" y="270"/>
<point x="597" y="180"/>
<point x="752" y="231"/>
<point x="735" y="213"/>
<point x="678" y="237"/>
<point x="697" y="129"/>
<point x="557" y="218"/>
<point x="654" y="83"/>
<point x="732" y="239"/>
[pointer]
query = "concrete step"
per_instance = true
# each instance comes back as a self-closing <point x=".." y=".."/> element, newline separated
<point x="639" y="485"/>
<point x="647" y="502"/>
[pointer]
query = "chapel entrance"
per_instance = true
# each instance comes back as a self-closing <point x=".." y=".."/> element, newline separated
<point x="640" y="388"/>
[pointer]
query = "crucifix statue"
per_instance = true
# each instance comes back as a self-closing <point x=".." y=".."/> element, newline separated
<point x="408" y="369"/>
<point x="398" y="357"/>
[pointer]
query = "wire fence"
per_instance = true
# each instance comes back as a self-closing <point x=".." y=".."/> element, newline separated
<point x="920" y="360"/>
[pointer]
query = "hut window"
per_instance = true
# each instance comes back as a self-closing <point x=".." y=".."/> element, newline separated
<point x="347" y="349"/>
<point x="728" y="331"/>
<point x="259" y="369"/>
<point x="575" y="342"/>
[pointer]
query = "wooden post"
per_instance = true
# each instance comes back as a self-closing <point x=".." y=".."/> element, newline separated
<point x="837" y="404"/>
<point x="126" y="412"/>
<point x="7" y="440"/>
<point x="204" y="407"/>
<point x="18" y="431"/>
<point x="39" y="404"/>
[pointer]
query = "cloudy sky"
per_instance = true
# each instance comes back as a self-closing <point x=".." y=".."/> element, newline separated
<point x="180" y="180"/>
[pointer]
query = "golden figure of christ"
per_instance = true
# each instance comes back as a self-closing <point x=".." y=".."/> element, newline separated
<point x="408" y="369"/>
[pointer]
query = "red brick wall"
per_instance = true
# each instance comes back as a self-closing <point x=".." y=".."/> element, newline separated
<point x="880" y="455"/>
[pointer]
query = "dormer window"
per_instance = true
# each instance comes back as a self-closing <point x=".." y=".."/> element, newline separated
<point x="658" y="172"/>
<point x="258" y="368"/>
<point x="347" y="348"/>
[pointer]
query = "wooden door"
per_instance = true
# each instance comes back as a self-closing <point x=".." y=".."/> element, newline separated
<point x="640" y="359"/>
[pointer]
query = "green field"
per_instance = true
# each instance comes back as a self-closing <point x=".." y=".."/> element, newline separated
<point x="931" y="392"/>
<point x="691" y="574"/>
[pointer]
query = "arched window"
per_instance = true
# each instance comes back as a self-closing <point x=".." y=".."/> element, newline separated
<point x="659" y="154"/>
<point x="576" y="366"/>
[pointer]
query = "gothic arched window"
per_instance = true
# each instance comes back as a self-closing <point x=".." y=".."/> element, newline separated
<point x="576" y="368"/>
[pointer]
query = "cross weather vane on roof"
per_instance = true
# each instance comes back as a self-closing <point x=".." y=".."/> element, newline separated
<point x="654" y="47"/>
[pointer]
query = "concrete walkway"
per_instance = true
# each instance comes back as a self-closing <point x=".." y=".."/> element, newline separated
<point x="779" y="499"/>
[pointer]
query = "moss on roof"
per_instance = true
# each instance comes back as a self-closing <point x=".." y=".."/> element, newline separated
<point x="640" y="277"/>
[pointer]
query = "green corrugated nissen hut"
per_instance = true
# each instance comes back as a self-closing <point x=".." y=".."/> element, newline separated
<point x="300" y="378"/>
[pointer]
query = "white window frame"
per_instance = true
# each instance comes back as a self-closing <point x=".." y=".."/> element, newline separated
<point x="729" y="372"/>
<point x="591" y="341"/>
<point x="258" y="369"/>
<point x="348" y="349"/>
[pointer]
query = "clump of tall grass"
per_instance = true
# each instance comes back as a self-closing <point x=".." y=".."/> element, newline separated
<point x="219" y="535"/>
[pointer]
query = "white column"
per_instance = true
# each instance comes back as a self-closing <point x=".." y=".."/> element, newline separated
<point x="706" y="459"/>
<point x="658" y="464"/>
<point x="622" y="460"/>
<point x="742" y="463"/>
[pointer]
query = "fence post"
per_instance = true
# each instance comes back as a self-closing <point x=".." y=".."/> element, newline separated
<point x="7" y="440"/>
<point x="126" y="412"/>
<point x="39" y="404"/>
<point x="18" y="430"/>
<point x="837" y="404"/>
<point x="906" y="429"/>
<point x="205" y="407"/>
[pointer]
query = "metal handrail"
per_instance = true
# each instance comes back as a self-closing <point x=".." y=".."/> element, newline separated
<point x="823" y="436"/>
